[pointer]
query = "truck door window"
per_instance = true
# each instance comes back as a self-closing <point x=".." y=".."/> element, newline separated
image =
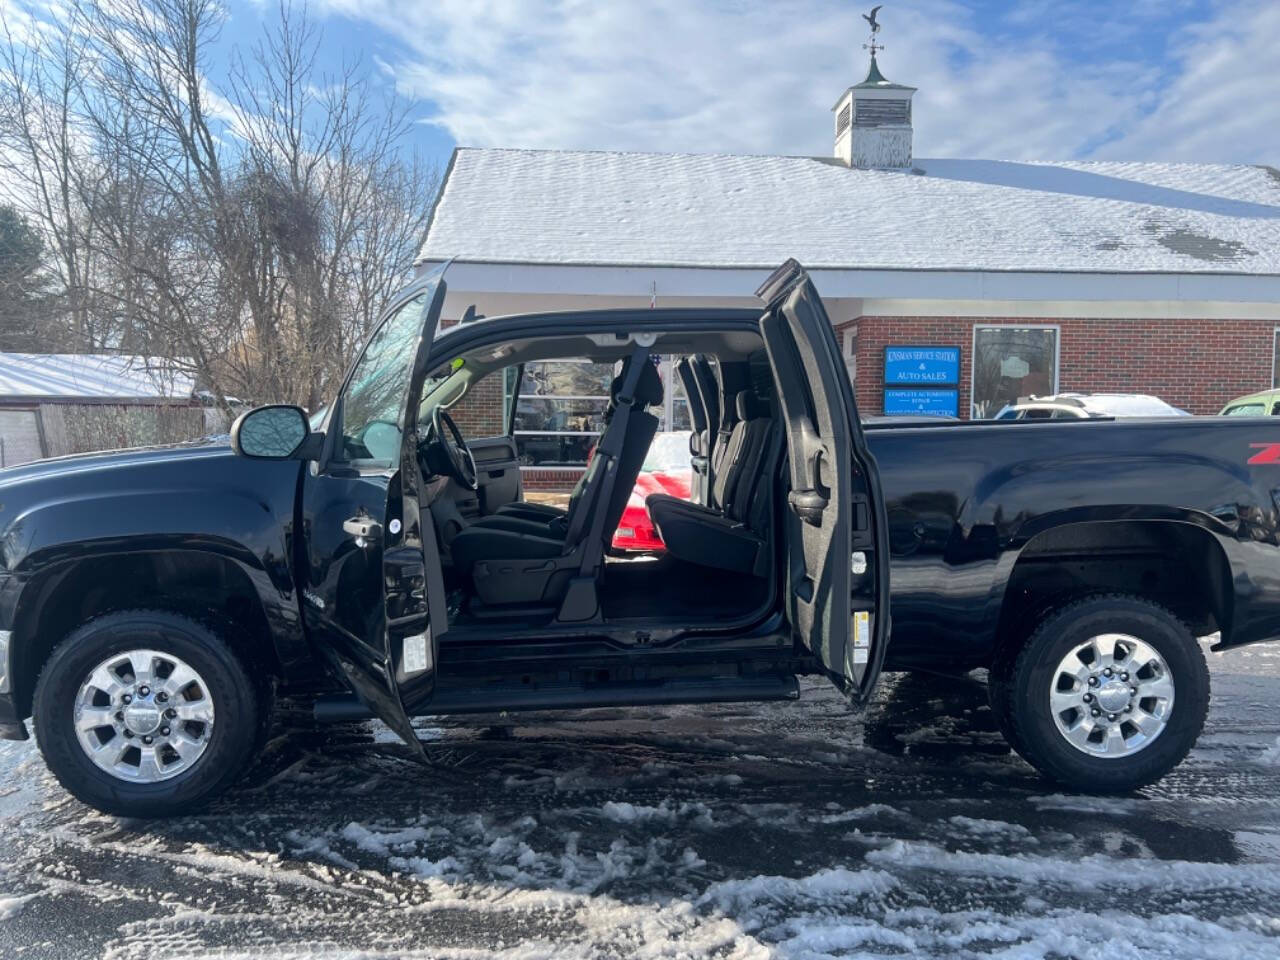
<point x="378" y="386"/>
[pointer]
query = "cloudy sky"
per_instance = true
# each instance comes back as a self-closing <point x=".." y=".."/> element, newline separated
<point x="1037" y="79"/>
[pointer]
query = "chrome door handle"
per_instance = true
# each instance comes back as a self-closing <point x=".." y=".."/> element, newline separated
<point x="366" y="530"/>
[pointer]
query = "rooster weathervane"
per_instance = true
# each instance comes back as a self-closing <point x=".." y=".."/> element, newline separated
<point x="873" y="46"/>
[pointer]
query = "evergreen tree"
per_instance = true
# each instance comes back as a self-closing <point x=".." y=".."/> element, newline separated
<point x="23" y="284"/>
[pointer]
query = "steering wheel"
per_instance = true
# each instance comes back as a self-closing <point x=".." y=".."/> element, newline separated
<point x="447" y="452"/>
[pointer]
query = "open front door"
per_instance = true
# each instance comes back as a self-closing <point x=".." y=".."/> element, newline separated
<point x="836" y="529"/>
<point x="373" y="592"/>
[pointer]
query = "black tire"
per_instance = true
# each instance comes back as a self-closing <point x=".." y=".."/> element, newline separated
<point x="234" y="741"/>
<point x="1020" y="681"/>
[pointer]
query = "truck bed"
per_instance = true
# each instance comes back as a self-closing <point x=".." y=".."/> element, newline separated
<point x="988" y="517"/>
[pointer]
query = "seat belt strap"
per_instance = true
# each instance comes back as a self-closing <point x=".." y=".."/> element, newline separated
<point x="611" y="446"/>
<point x="593" y="554"/>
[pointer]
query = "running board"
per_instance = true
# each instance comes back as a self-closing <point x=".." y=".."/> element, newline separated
<point x="339" y="708"/>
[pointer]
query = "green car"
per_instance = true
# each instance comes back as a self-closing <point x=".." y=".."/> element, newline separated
<point x="1264" y="404"/>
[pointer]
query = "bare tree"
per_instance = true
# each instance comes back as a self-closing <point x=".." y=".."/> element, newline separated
<point x="46" y="155"/>
<point x="251" y="228"/>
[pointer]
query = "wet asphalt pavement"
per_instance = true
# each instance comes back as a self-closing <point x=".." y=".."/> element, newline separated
<point x="789" y="830"/>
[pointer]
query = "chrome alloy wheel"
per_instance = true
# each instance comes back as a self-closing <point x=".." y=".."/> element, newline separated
<point x="143" y="716"/>
<point x="1111" y="696"/>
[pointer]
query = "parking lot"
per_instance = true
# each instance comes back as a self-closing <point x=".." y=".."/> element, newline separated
<point x="792" y="830"/>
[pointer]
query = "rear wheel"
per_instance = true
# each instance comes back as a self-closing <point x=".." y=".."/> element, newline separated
<point x="1108" y="694"/>
<point x="146" y="713"/>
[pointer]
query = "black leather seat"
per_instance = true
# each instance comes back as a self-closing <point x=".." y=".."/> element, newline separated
<point x="501" y="552"/>
<point x="550" y="520"/>
<point x="731" y="534"/>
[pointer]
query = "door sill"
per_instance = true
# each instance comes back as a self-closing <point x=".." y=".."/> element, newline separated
<point x="336" y="708"/>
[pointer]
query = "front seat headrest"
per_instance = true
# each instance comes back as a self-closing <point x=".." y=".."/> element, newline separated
<point x="648" y="390"/>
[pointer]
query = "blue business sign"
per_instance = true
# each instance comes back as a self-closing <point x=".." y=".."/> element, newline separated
<point x="923" y="402"/>
<point x="921" y="366"/>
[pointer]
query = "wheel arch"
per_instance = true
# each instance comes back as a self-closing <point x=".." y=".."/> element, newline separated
<point x="1174" y="562"/>
<point x="204" y="585"/>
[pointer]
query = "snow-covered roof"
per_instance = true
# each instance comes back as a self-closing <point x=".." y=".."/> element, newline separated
<point x="696" y="210"/>
<point x="98" y="376"/>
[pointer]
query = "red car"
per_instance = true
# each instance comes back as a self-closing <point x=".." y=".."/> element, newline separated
<point x="666" y="470"/>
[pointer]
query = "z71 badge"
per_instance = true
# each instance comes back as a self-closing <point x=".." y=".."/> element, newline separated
<point x="1268" y="453"/>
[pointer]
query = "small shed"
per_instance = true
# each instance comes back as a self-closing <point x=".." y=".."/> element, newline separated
<point x="56" y="404"/>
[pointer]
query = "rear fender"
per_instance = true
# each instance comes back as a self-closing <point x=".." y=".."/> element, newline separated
<point x="1219" y="588"/>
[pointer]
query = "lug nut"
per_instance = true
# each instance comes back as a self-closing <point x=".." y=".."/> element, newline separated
<point x="1107" y="672"/>
<point x="146" y="740"/>
<point x="1128" y="708"/>
<point x="1112" y="717"/>
<point x="144" y="690"/>
<point x="171" y="713"/>
<point x="164" y="731"/>
<point x="1124" y="677"/>
<point x="127" y="698"/>
<point x="120" y="715"/>
<point x="128" y="733"/>
<point x="1093" y="681"/>
<point x="162" y="697"/>
<point x="1088" y="698"/>
<point x="1133" y="691"/>
<point x="1096" y="712"/>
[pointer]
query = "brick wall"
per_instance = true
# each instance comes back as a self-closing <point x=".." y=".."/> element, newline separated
<point x="482" y="412"/>
<point x="1197" y="365"/>
<point x="555" y="481"/>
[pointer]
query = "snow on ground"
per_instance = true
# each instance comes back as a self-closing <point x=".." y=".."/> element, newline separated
<point x="1271" y="756"/>
<point x="734" y="831"/>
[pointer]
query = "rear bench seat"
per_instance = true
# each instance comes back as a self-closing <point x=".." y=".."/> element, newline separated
<point x="731" y="534"/>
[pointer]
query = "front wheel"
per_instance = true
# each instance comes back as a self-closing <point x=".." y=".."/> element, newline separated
<point x="146" y="713"/>
<point x="1107" y="695"/>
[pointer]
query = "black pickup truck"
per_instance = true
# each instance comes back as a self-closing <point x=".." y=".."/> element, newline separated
<point x="154" y="602"/>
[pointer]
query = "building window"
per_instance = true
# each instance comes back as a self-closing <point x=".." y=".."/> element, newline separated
<point x="674" y="414"/>
<point x="1011" y="362"/>
<point x="560" y="411"/>
<point x="20" y="439"/>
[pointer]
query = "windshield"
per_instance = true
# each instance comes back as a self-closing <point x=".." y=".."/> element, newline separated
<point x="1246" y="410"/>
<point x="379" y="384"/>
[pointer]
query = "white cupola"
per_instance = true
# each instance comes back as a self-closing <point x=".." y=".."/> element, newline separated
<point x="873" y="123"/>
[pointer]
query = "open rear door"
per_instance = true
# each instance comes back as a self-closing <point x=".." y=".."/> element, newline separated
<point x="837" y="586"/>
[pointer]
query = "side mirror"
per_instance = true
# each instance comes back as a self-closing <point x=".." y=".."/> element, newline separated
<point x="276" y="432"/>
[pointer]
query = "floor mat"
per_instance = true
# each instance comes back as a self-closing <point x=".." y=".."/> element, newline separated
<point x="666" y="587"/>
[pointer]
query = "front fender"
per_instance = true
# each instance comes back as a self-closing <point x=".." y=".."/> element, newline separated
<point x="205" y="501"/>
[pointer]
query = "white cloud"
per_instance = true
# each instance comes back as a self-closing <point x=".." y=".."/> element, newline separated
<point x="1223" y="102"/>
<point x="727" y="75"/>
